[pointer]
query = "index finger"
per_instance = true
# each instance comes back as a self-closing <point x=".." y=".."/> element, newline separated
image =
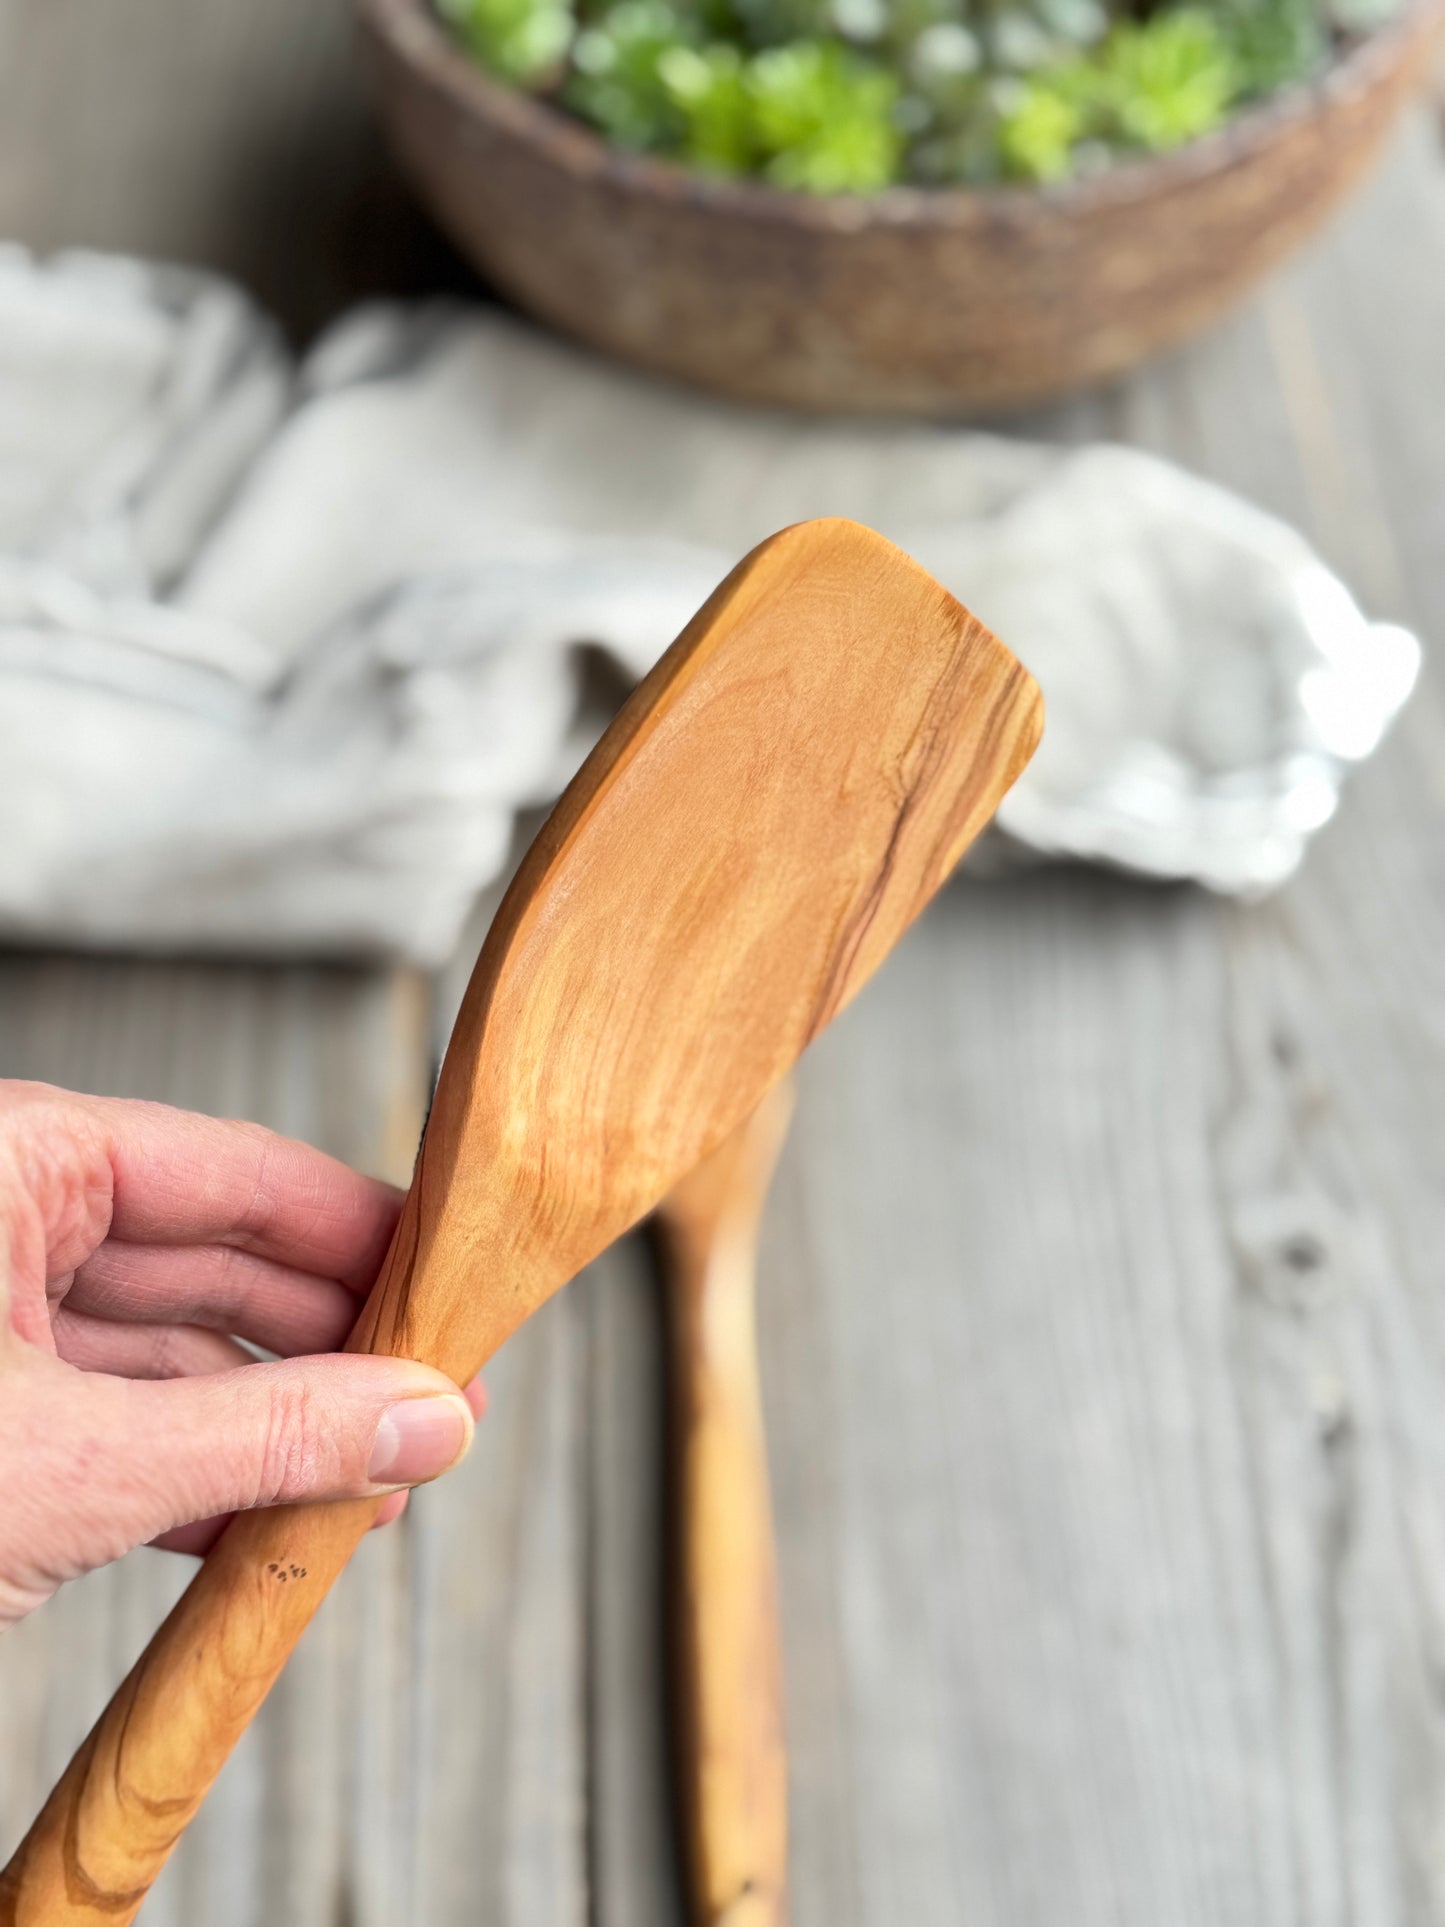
<point x="176" y="1177"/>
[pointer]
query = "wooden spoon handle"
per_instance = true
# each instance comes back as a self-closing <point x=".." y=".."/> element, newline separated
<point x="123" y="1802"/>
<point x="731" y="1753"/>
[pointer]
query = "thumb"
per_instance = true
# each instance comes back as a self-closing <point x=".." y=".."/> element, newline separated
<point x="110" y="1463"/>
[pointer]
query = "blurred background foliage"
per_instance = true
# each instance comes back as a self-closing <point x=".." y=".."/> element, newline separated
<point x="850" y="96"/>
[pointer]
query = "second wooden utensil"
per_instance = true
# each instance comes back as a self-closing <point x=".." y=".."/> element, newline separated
<point x="730" y="1749"/>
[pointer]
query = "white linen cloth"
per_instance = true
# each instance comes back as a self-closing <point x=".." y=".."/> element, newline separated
<point x="284" y="650"/>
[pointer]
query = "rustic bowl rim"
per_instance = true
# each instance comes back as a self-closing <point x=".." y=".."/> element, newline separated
<point x="413" y="32"/>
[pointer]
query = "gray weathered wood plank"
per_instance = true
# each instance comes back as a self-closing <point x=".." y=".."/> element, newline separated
<point x="1123" y="1394"/>
<point x="636" y="1866"/>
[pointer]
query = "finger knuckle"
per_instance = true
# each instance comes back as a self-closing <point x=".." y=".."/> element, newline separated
<point x="165" y="1353"/>
<point x="296" y="1452"/>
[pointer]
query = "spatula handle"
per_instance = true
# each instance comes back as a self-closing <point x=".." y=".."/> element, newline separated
<point x="732" y="1757"/>
<point x="125" y="1799"/>
<point x="128" y="1795"/>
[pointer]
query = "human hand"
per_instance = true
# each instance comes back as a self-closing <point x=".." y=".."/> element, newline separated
<point x="137" y="1244"/>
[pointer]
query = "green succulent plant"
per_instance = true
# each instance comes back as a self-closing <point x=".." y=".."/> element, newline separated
<point x="617" y="73"/>
<point x="824" y="118"/>
<point x="852" y="96"/>
<point x="708" y="88"/>
<point x="519" y="40"/>
<point x="1146" y="87"/>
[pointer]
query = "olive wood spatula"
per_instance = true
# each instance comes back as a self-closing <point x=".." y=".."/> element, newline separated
<point x="768" y="811"/>
<point x="730" y="1748"/>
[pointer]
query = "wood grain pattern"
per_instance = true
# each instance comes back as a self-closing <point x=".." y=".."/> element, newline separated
<point x="732" y="1757"/>
<point x="765" y="816"/>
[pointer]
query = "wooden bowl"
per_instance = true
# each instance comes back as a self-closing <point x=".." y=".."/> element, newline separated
<point x="924" y="301"/>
